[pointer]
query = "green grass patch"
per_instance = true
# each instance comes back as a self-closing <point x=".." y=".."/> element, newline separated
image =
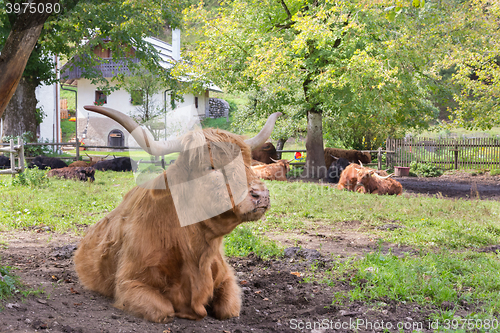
<point x="68" y="129"/>
<point x="60" y="204"/>
<point x="427" y="222"/>
<point x="430" y="278"/>
<point x="244" y="239"/>
<point x="9" y="283"/>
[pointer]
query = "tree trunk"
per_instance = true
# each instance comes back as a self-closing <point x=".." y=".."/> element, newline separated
<point x="279" y="146"/>
<point x="315" y="159"/>
<point x="19" y="115"/>
<point x="17" y="49"/>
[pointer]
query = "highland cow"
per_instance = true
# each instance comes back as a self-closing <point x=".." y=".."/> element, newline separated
<point x="158" y="261"/>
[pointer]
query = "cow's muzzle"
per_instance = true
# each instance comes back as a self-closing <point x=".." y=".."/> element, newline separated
<point x="260" y="198"/>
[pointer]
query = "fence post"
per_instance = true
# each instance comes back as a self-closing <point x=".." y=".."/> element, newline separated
<point x="456" y="157"/>
<point x="379" y="158"/>
<point x="77" y="149"/>
<point x="20" y="154"/>
<point x="12" y="160"/>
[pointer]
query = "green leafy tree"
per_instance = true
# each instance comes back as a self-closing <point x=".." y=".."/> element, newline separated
<point x="338" y="59"/>
<point x="470" y="48"/>
<point x="144" y="87"/>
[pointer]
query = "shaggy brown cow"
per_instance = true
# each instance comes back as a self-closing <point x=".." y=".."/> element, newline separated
<point x="349" y="177"/>
<point x="82" y="174"/>
<point x="376" y="184"/>
<point x="265" y="153"/>
<point x="142" y="256"/>
<point x="275" y="171"/>
<point x="353" y="156"/>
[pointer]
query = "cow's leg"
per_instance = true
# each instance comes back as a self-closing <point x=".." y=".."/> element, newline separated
<point x="227" y="297"/>
<point x="143" y="300"/>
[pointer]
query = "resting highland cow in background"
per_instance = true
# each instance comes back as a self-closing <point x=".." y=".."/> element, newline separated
<point x="44" y="162"/>
<point x="353" y="156"/>
<point x="75" y="173"/>
<point x="265" y="153"/>
<point x="275" y="171"/>
<point x="376" y="184"/>
<point x="159" y="253"/>
<point x="116" y="164"/>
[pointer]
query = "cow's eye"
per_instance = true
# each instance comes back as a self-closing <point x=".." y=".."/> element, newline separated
<point x="208" y="168"/>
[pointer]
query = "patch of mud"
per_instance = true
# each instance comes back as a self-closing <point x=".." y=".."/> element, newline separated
<point x="275" y="296"/>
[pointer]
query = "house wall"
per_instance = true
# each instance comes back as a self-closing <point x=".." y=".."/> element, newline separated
<point x="46" y="96"/>
<point x="96" y="132"/>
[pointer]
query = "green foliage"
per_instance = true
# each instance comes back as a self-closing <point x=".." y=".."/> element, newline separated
<point x="243" y="240"/>
<point x="30" y="150"/>
<point x="425" y="170"/>
<point x="9" y="283"/>
<point x="317" y="58"/>
<point x="494" y="172"/>
<point x="31" y="177"/>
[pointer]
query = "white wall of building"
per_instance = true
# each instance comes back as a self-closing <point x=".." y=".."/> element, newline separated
<point x="178" y="121"/>
<point x="46" y="96"/>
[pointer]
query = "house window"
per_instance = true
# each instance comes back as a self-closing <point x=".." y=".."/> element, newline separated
<point x="102" y="53"/>
<point x="100" y="98"/>
<point x="136" y="97"/>
<point x="196" y="102"/>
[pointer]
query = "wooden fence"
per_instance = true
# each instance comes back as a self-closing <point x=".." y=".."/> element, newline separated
<point x="464" y="153"/>
<point x="14" y="150"/>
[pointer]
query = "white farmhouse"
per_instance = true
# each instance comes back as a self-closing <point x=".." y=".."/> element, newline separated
<point x="98" y="130"/>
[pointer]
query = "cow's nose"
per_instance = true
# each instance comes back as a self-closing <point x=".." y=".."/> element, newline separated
<point x="259" y="194"/>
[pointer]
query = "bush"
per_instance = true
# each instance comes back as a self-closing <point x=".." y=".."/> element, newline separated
<point x="425" y="170"/>
<point x="494" y="172"/>
<point x="31" y="177"/>
<point x="30" y="150"/>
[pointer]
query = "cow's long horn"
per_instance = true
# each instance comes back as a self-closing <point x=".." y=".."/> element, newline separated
<point x="361" y="164"/>
<point x="264" y="133"/>
<point x="141" y="135"/>
<point x="272" y="159"/>
<point x="383" y="177"/>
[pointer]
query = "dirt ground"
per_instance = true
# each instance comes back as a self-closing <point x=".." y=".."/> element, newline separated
<point x="275" y="297"/>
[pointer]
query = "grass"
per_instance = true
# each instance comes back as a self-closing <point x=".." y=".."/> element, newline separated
<point x="68" y="129"/>
<point x="431" y="278"/>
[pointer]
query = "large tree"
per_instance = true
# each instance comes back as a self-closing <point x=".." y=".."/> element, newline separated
<point x="76" y="28"/>
<point x="334" y="58"/>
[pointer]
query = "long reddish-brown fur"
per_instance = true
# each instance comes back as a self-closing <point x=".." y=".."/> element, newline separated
<point x="154" y="268"/>
<point x="275" y="171"/>
<point x="373" y="183"/>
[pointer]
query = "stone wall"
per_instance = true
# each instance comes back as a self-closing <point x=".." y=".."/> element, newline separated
<point x="218" y="108"/>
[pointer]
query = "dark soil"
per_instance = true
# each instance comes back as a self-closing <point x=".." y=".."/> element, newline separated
<point x="276" y="298"/>
<point x="458" y="185"/>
